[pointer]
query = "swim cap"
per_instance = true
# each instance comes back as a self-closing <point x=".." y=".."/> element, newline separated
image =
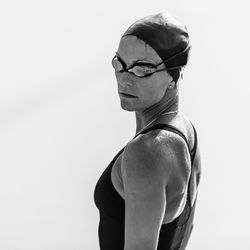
<point x="166" y="36"/>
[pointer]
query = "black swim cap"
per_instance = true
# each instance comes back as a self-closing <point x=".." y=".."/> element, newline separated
<point x="166" y="36"/>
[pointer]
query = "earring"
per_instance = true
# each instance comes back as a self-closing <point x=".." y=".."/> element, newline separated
<point x="170" y="86"/>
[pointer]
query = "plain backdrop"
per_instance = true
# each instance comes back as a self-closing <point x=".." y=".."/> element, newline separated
<point x="61" y="122"/>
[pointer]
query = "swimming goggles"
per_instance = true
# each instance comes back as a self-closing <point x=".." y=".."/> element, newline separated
<point x="143" y="69"/>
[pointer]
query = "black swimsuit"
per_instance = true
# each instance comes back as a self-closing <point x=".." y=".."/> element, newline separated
<point x="111" y="207"/>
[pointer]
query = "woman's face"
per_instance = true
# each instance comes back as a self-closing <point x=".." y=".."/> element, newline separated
<point x="146" y="91"/>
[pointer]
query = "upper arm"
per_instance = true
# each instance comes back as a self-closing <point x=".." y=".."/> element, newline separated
<point x="146" y="169"/>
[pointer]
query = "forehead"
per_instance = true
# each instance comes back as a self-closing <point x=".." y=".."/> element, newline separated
<point x="132" y="49"/>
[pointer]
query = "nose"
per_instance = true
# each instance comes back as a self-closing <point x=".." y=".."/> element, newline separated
<point x="124" y="79"/>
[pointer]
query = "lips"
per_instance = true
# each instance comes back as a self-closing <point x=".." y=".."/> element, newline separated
<point x="127" y="95"/>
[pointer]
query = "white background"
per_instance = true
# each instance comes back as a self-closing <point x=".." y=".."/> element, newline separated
<point x="61" y="121"/>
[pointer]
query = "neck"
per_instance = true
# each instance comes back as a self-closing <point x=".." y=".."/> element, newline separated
<point x="144" y="117"/>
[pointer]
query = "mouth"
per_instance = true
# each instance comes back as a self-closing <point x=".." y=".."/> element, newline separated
<point x="127" y="95"/>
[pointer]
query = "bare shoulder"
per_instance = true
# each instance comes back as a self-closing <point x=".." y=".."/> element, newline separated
<point x="159" y="157"/>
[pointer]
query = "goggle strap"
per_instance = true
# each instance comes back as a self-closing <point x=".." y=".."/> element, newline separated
<point x="171" y="57"/>
<point x="170" y="68"/>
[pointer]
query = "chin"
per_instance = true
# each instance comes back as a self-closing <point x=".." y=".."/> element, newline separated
<point x="127" y="106"/>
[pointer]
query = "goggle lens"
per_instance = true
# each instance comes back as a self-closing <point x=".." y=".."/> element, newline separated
<point x="117" y="64"/>
<point x="137" y="70"/>
<point x="142" y="70"/>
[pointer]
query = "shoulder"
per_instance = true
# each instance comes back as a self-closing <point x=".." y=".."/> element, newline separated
<point x="158" y="155"/>
<point x="158" y="143"/>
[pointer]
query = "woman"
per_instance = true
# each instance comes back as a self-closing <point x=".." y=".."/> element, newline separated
<point x="147" y="194"/>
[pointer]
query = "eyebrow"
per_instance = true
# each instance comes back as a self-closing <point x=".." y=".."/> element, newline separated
<point x="143" y="60"/>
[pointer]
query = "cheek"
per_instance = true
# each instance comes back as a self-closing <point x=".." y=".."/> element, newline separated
<point x="161" y="85"/>
<point x="154" y="90"/>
